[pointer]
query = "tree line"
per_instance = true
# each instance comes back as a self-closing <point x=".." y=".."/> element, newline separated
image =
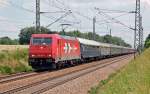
<point x="25" y="34"/>
<point x="147" y="42"/>
<point x="8" y="41"/>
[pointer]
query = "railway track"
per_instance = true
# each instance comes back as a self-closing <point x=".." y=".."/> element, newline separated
<point x="19" y="76"/>
<point x="45" y="85"/>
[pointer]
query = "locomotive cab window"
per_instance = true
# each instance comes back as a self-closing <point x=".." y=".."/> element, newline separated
<point x="41" y="41"/>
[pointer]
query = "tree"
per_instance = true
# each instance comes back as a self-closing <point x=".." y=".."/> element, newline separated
<point x="147" y="42"/>
<point x="8" y="41"/>
<point x="107" y="39"/>
<point x="25" y="34"/>
<point x="89" y="35"/>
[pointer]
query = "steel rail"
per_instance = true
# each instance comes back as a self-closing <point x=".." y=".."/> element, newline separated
<point x="101" y="65"/>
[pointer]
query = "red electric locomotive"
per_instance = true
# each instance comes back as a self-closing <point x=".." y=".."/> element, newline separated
<point x="52" y="50"/>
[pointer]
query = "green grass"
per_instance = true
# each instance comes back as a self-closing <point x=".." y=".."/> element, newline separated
<point x="14" y="61"/>
<point x="133" y="79"/>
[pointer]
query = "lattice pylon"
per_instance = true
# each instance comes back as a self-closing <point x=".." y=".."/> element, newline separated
<point x="138" y="40"/>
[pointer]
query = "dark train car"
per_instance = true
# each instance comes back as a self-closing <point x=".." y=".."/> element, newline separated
<point x="89" y="48"/>
<point x="105" y="50"/>
<point x="116" y="50"/>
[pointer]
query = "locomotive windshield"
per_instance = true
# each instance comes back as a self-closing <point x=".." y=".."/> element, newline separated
<point x="41" y="41"/>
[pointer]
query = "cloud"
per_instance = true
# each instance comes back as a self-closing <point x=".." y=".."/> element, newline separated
<point x="9" y="28"/>
<point x="142" y="1"/>
<point x="146" y="1"/>
<point x="85" y="7"/>
<point x="5" y="22"/>
<point x="3" y="3"/>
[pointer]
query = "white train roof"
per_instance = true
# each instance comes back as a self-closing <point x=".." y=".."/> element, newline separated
<point x="95" y="43"/>
<point x="92" y="42"/>
<point x="116" y="46"/>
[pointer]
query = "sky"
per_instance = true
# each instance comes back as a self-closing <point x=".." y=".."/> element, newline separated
<point x="17" y="14"/>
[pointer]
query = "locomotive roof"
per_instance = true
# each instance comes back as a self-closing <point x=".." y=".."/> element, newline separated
<point x="56" y="35"/>
<point x="44" y="35"/>
<point x="68" y="37"/>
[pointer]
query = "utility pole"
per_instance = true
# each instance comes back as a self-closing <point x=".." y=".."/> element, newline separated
<point x="138" y="31"/>
<point x="110" y="32"/>
<point x="38" y="16"/>
<point x="110" y="36"/>
<point x="94" y="22"/>
<point x="141" y="35"/>
<point x="110" y="41"/>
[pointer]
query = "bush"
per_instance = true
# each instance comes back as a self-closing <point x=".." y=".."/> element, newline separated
<point x="132" y="79"/>
<point x="5" y="69"/>
<point x="14" y="61"/>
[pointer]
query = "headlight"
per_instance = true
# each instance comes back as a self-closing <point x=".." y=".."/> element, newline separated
<point x="32" y="55"/>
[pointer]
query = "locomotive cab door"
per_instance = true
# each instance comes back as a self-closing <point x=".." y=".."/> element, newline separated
<point x="59" y="49"/>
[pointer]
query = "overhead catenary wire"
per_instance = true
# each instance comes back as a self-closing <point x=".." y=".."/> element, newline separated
<point x="114" y="20"/>
<point x="31" y="11"/>
<point x="106" y="20"/>
<point x="65" y="9"/>
<point x="105" y="11"/>
<point x="20" y="22"/>
<point x="66" y="14"/>
<point x="83" y="16"/>
<point x="14" y="21"/>
<point x="62" y="10"/>
<point x="20" y="7"/>
<point x="72" y="14"/>
<point x="63" y="4"/>
<point x="114" y="11"/>
<point x="90" y="19"/>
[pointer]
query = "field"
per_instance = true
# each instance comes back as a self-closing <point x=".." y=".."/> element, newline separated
<point x="12" y="47"/>
<point x="133" y="79"/>
<point x="13" y="59"/>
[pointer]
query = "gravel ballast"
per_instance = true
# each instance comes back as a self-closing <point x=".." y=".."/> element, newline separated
<point x="83" y="84"/>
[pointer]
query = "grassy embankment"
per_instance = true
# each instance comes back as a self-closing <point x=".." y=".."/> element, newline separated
<point x="13" y="61"/>
<point x="133" y="79"/>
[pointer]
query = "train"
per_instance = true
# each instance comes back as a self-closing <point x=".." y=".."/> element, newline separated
<point x="52" y="51"/>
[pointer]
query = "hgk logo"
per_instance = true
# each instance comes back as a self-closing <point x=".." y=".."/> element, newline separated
<point x="68" y="48"/>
